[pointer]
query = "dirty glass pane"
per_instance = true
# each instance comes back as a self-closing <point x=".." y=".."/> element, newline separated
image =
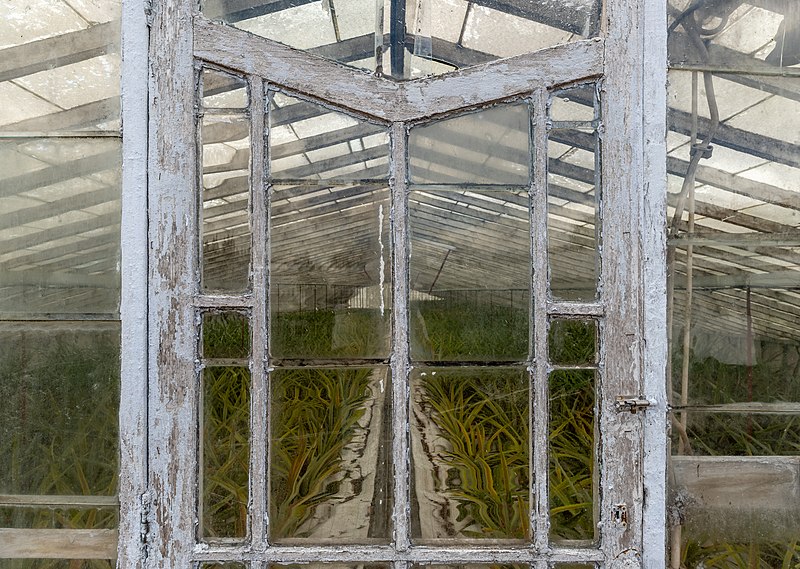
<point x="572" y="342"/>
<point x="223" y="90"/>
<point x="330" y="275"/>
<point x="572" y="455"/>
<point x="469" y="450"/>
<point x="330" y="455"/>
<point x="59" y="226"/>
<point x="573" y="213"/>
<point x="223" y="565"/>
<point x="573" y="566"/>
<point x="63" y="563"/>
<point x="733" y="297"/>
<point x="58" y="432"/>
<point x="225" y="452"/>
<point x="488" y="147"/>
<point x="311" y="142"/>
<point x="469" y="275"/>
<point x="225" y="215"/>
<point x="575" y="105"/>
<point x="410" y="39"/>
<point x="331" y="566"/>
<point x="60" y="69"/>
<point x="470" y="566"/>
<point x="750" y="36"/>
<point x="226" y="335"/>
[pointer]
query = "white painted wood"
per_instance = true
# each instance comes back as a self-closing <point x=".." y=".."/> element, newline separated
<point x="364" y="93"/>
<point x="172" y="205"/>
<point x="621" y="331"/>
<point x="653" y="286"/>
<point x="133" y="490"/>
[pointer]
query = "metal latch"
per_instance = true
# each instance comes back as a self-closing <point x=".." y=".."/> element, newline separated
<point x="632" y="404"/>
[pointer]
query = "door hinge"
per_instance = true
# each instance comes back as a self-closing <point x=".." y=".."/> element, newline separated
<point x="631" y="403"/>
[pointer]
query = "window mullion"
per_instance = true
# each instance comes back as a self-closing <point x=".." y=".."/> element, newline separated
<point x="400" y="345"/>
<point x="539" y="415"/>
<point x="259" y="200"/>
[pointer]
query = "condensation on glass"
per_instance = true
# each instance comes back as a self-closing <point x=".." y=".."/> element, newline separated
<point x="225" y="183"/>
<point x="409" y="39"/>
<point x="573" y="196"/>
<point x="330" y="455"/>
<point x="470" y="455"/>
<point x="734" y="268"/>
<point x="59" y="277"/>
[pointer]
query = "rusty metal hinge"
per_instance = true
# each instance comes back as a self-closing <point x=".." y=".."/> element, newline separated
<point x="631" y="403"/>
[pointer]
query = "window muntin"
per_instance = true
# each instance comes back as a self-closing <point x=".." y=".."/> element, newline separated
<point x="405" y="39"/>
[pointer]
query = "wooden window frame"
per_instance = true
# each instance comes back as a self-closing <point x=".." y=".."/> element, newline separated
<point x="158" y="430"/>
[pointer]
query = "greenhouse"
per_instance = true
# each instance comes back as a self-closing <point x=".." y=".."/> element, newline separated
<point x="395" y="284"/>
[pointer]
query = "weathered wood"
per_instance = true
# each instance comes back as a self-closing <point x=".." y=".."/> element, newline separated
<point x="387" y="100"/>
<point x="58" y="543"/>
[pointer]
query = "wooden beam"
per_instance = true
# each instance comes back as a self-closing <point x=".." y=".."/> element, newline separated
<point x="58" y="543"/>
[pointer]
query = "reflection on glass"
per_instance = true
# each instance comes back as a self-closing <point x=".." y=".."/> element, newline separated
<point x="223" y="90"/>
<point x="61" y="66"/>
<point x="226" y="238"/>
<point x="225" y="452"/>
<point x="59" y="226"/>
<point x="330" y="274"/>
<point x="491" y="146"/>
<point x="469" y="443"/>
<point x="226" y="335"/>
<point x="330" y="466"/>
<point x="572" y="214"/>
<point x="311" y="142"/>
<point x="572" y="450"/>
<point x="572" y="342"/>
<point x="429" y="38"/>
<point x="733" y="298"/>
<point x="470" y="566"/>
<point x="58" y="430"/>
<point x="469" y="275"/>
<point x="573" y="105"/>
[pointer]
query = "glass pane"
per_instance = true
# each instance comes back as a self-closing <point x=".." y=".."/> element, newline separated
<point x="746" y="36"/>
<point x="330" y="276"/>
<point x="572" y="450"/>
<point x="58" y="432"/>
<point x="572" y="342"/>
<point x="223" y="565"/>
<point x="59" y="226"/>
<point x="61" y="66"/>
<point x="490" y="147"/>
<point x="429" y="37"/>
<point x="331" y="473"/>
<point x="223" y="90"/>
<point x="226" y="335"/>
<point x="574" y="105"/>
<point x="469" y="275"/>
<point x="573" y="214"/>
<point x="225" y="207"/>
<point x="469" y="447"/>
<point x="225" y="452"/>
<point x="310" y="142"/>
<point x="734" y="303"/>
